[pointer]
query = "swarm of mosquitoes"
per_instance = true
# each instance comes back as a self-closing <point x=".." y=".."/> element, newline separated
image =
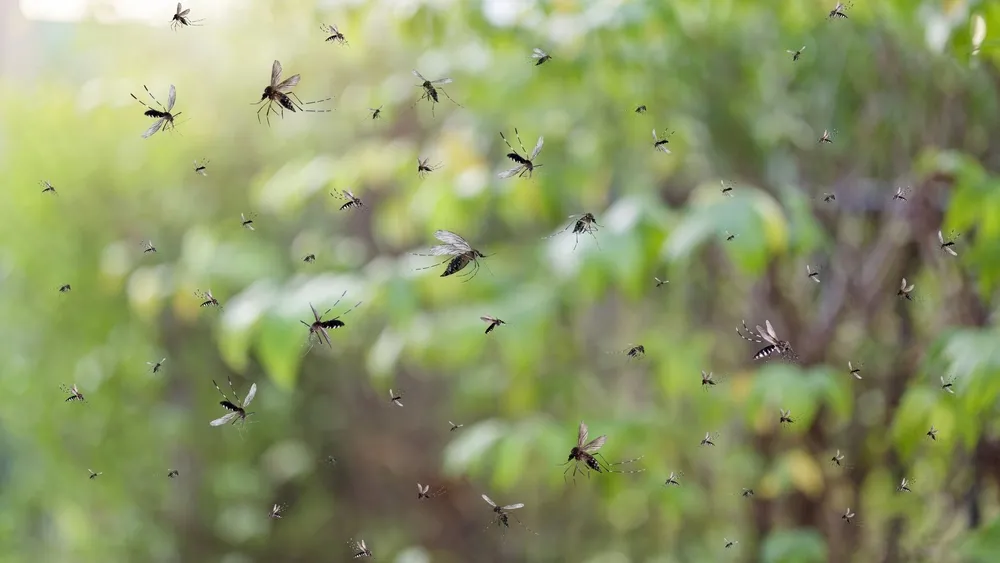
<point x="585" y="457"/>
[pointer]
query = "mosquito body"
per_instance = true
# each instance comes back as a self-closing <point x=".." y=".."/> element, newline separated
<point x="237" y="409"/>
<point x="281" y="93"/>
<point x="423" y="492"/>
<point x="361" y="550"/>
<point x="827" y="136"/>
<point x="525" y="163"/>
<point x="635" y="352"/>
<point x="492" y="321"/>
<point x="730" y="236"/>
<point x="932" y="433"/>
<point x="201" y="167"/>
<point x="837" y="459"/>
<point x="74" y="393"/>
<point x="164" y="117"/>
<point x="839" y="9"/>
<point x="746" y="493"/>
<point x="94" y="475"/>
<point x="376" y="112"/>
<point x="727" y="188"/>
<point x="454" y="426"/>
<point x="334" y="34"/>
<point x="460" y="251"/>
<point x="775" y="346"/>
<point x="351" y="201"/>
<point x="904" y="485"/>
<point x="640" y="109"/>
<point x="582" y="223"/>
<point x="501" y="514"/>
<point x="796" y="54"/>
<point x="847" y="516"/>
<point x="947" y="246"/>
<point x="587" y="453"/>
<point x="155" y="366"/>
<point x="246" y="220"/>
<point x="309" y="258"/>
<point x="730" y="543"/>
<point x="661" y="144"/>
<point x="173" y="473"/>
<point x="147" y="246"/>
<point x="541" y="55"/>
<point x="827" y="198"/>
<point x="207" y="299"/>
<point x="855" y="371"/>
<point x="431" y="89"/>
<point x="786" y="417"/>
<point x="424" y="167"/>
<point x="709" y="439"/>
<point x="64" y="288"/>
<point x="276" y="511"/>
<point x="396" y="398"/>
<point x="672" y="479"/>
<point x="814" y="276"/>
<point x="706" y="379"/>
<point x="181" y="19"/>
<point x="904" y="290"/>
<point x="319" y="327"/>
<point x="47" y="187"/>
<point x="901" y="193"/>
<point x="660" y="282"/>
<point x="948" y="385"/>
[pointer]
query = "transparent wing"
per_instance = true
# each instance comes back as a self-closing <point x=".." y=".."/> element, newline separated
<point x="226" y="419"/>
<point x="951" y="251"/>
<point x="513" y="506"/>
<point x="185" y="12"/>
<point x="512" y="172"/>
<point x="443" y="250"/>
<point x="581" y="436"/>
<point x="940" y="237"/>
<point x="421" y="77"/>
<point x="441" y="81"/>
<point x="770" y="329"/>
<point x="171" y="97"/>
<point x="595" y="444"/>
<point x="655" y="138"/>
<point x="538" y="148"/>
<point x="275" y="73"/>
<point x="537" y="53"/>
<point x="289" y="83"/>
<point x="153" y="128"/>
<point x="487" y="319"/>
<point x="451" y="238"/>
<point x="250" y="395"/>
<point x="763" y="334"/>
<point x="486" y="498"/>
<point x="178" y="7"/>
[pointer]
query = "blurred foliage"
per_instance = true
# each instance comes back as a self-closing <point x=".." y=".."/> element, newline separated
<point x="910" y="103"/>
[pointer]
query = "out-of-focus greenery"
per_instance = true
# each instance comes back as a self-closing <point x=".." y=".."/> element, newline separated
<point x="897" y="82"/>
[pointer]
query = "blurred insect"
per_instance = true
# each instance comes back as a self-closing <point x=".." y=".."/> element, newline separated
<point x="901" y="193"/>
<point x="828" y="197"/>
<point x="309" y="258"/>
<point x="774" y="344"/>
<point x="492" y="321"/>
<point x="661" y="144"/>
<point x="904" y="290"/>
<point x="796" y="54"/>
<point x="525" y="164"/>
<point x="237" y="408"/>
<point x="814" y="276"/>
<point x="633" y="352"/>
<point x="319" y="326"/>
<point x="904" y="485"/>
<point x="396" y="398"/>
<point x="276" y="511"/>
<point x="730" y="236"/>
<point x="155" y="366"/>
<point x="541" y="55"/>
<point x="330" y="460"/>
<point x="335" y="34"/>
<point x="848" y="515"/>
<point x="47" y="187"/>
<point x="709" y="438"/>
<point x="948" y="384"/>
<point x="746" y="493"/>
<point x="786" y="417"/>
<point x="855" y="371"/>
<point x="74" y="393"/>
<point x="246" y="220"/>
<point x="502" y="513"/>
<point x="672" y="479"/>
<point x="454" y="426"/>
<point x="640" y="110"/>
<point x="202" y="167"/>
<point x="660" y="282"/>
<point x="94" y="475"/>
<point x="827" y="136"/>
<point x="423" y="168"/>
<point x="932" y="433"/>
<point x="207" y="299"/>
<point x="376" y="112"/>
<point x="583" y="223"/>
<point x="839" y="9"/>
<point x="431" y="89"/>
<point x="461" y="252"/>
<point x="837" y="459"/>
<point x="147" y="246"/>
<point x="706" y="379"/>
<point x="164" y="117"/>
<point x="361" y="550"/>
<point x="727" y="188"/>
<point x="64" y="288"/>
<point x="947" y="246"/>
<point x="587" y="452"/>
<point x="181" y="19"/>
<point x="730" y="543"/>
<point x="281" y="93"/>
<point x="352" y="201"/>
<point x="422" y="492"/>
<point x="173" y="473"/>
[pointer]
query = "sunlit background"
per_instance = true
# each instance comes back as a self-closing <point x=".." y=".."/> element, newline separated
<point x="909" y="91"/>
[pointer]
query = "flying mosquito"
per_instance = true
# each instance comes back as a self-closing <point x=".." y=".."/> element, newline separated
<point x="706" y="379"/>
<point x="361" y="550"/>
<point x="281" y="93"/>
<point x="246" y="220"/>
<point x="207" y="299"/>
<point x="201" y="167"/>
<point x="309" y="258"/>
<point x="839" y="9"/>
<point x="431" y="89"/>
<point x="94" y="475"/>
<point x="827" y="198"/>
<point x="155" y="366"/>
<point x="587" y="453"/>
<point x="727" y="188"/>
<point x="396" y="398"/>
<point x="164" y="117"/>
<point x="837" y="459"/>
<point x="814" y="276"/>
<point x="319" y="327"/>
<point x="827" y="136"/>
<point x="855" y="371"/>
<point x="672" y="479"/>
<point x="541" y="55"/>
<point x="583" y="223"/>
<point x="181" y="19"/>
<point x="237" y="408"/>
<point x="352" y="201"/>
<point x="276" y="511"/>
<point x="661" y="144"/>
<point x="454" y="426"/>
<point x="376" y="112"/>
<point x="660" y="282"/>
<point x="640" y="110"/>
<point x="786" y="417"/>
<point x="492" y="321"/>
<point x="709" y="438"/>
<point x="901" y="193"/>
<point x="173" y="473"/>
<point x="746" y="493"/>
<point x="47" y="187"/>
<point x="730" y="543"/>
<point x="633" y="352"/>
<point x="423" y="492"/>
<point x="502" y="513"/>
<point x="730" y="236"/>
<point x="774" y="344"/>
<point x="424" y="167"/>
<point x="461" y="252"/>
<point x="525" y="164"/>
<point x="64" y="288"/>
<point x="147" y="246"/>
<point x="904" y="290"/>
<point x="796" y="54"/>
<point x="948" y="246"/>
<point x="904" y="485"/>
<point x="335" y="34"/>
<point x="847" y="516"/>
<point x="948" y="384"/>
<point x="74" y="393"/>
<point x="932" y="433"/>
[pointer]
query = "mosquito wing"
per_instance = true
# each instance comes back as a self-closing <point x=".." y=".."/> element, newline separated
<point x="538" y="53"/>
<point x="275" y="73"/>
<point x="441" y="81"/>
<point x="250" y="395"/>
<point x="655" y="138"/>
<point x="951" y="251"/>
<point x="581" y="437"/>
<point x="153" y="128"/>
<point x="486" y="498"/>
<point x="178" y="8"/>
<point x="767" y="337"/>
<point x="770" y="329"/>
<point x="595" y="444"/>
<point x="940" y="237"/>
<point x="421" y="77"/>
<point x="513" y="506"/>
<point x="289" y="83"/>
<point x="512" y="172"/>
<point x="450" y="238"/>
<point x="225" y="419"/>
<point x="538" y="148"/>
<point x="171" y="97"/>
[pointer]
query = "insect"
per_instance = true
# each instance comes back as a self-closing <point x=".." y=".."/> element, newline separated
<point x="525" y="164"/>
<point x="814" y="276"/>
<point x="181" y="19"/>
<point x="746" y="493"/>
<point x="730" y="236"/>
<point x="839" y="9"/>
<point x="660" y="282"/>
<point x="901" y="193"/>
<point x="541" y="55"/>
<point x="727" y="188"/>
<point x="376" y="112"/>
<point x="633" y="352"/>
<point x="330" y="460"/>
<point x="361" y="550"/>
<point x="827" y="136"/>
<point x="335" y="34"/>
<point x="276" y="511"/>
<point x="587" y="452"/>
<point x="855" y="371"/>
<point x="246" y="220"/>
<point x="796" y="54"/>
<point x="173" y="473"/>
<point x="661" y="144"/>
<point x="74" y="393"/>
<point x="947" y="246"/>
<point x="730" y="543"/>
<point x="237" y="409"/>
<point x="502" y="513"/>
<point x="904" y="290"/>
<point x="423" y="168"/>
<point x="147" y="246"/>
<point x="352" y="201"/>
<point x="319" y="326"/>
<point x="155" y="366"/>
<point x="396" y="398"/>
<point x="164" y="117"/>
<point x="932" y="433"/>
<point x="640" y="110"/>
<point x="454" y="426"/>
<point x="281" y="93"/>
<point x="774" y="344"/>
<point x="828" y="197"/>
<point x="94" y="475"/>
<point x="64" y="288"/>
<point x="837" y="459"/>
<point x="208" y="300"/>
<point x="461" y="253"/>
<point x="848" y="515"/>
<point x="948" y="384"/>
<point x="706" y="379"/>
<point x="492" y="321"/>
<point x="47" y="187"/>
<point x="201" y="167"/>
<point x="309" y="258"/>
<point x="672" y="479"/>
<point x="431" y="89"/>
<point x="709" y="438"/>
<point x="904" y="485"/>
<point x="786" y="417"/>
<point x="423" y="492"/>
<point x="583" y="223"/>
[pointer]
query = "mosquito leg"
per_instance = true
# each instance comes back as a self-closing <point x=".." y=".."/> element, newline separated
<point x="233" y="389"/>
<point x="219" y="390"/>
<point x="435" y="265"/>
<point x="595" y="239"/>
<point x="518" y="135"/>
<point x="449" y="97"/>
<point x="154" y="99"/>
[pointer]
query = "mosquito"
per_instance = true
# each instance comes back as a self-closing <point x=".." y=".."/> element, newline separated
<point x="786" y="417"/>
<point x="948" y="384"/>
<point x="94" y="475"/>
<point x="672" y="479"/>
<point x="431" y="89"/>
<point x="948" y="246"/>
<point x="796" y="54"/>
<point x="661" y="144"/>
<point x="709" y="438"/>
<point x="352" y="201"/>
<point x="583" y="223"/>
<point x="904" y="290"/>
<point x="319" y="327"/>
<point x="335" y="34"/>
<point x="309" y="258"/>
<point x="181" y="19"/>
<point x="813" y="275"/>
<point x="525" y="164"/>
<point x="74" y="393"/>
<point x="837" y="459"/>
<point x="727" y="188"/>
<point x="587" y="453"/>
<point x="276" y="511"/>
<point x="396" y="398"/>
<point x="827" y="136"/>
<point x="839" y="9"/>
<point x="423" y="492"/>
<point x="746" y="493"/>
<point x="376" y="112"/>
<point x="635" y="352"/>
<point x="492" y="321"/>
<point x="47" y="187"/>
<point x="828" y="197"/>
<point x="207" y="299"/>
<point x="155" y="366"/>
<point x="848" y="515"/>
<point x="147" y="246"/>
<point x="855" y="371"/>
<point x="64" y="288"/>
<point x="246" y="220"/>
<point x="932" y="433"/>
<point x="201" y="167"/>
<point x="640" y="109"/>
<point x="454" y="426"/>
<point x="706" y="379"/>
<point x="164" y="117"/>
<point x="424" y="168"/>
<point x="541" y="55"/>
<point x="730" y="543"/>
<point x="281" y="93"/>
<point x="461" y="252"/>
<point x="237" y="409"/>
<point x="774" y="344"/>
<point x="502" y="513"/>
<point x="904" y="485"/>
<point x="901" y="193"/>
<point x="361" y="550"/>
<point x="730" y="236"/>
<point x="173" y="473"/>
<point x="660" y="282"/>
